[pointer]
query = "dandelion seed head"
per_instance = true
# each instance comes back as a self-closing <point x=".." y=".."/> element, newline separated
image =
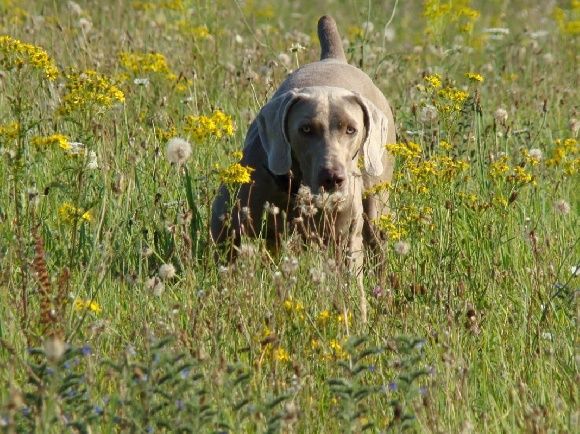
<point x="92" y="163"/>
<point x="178" y="150"/>
<point x="54" y="348"/>
<point x="402" y="248"/>
<point x="390" y="34"/>
<point x="285" y="59"/>
<point x="155" y="285"/>
<point x="141" y="81"/>
<point x="85" y="25"/>
<point x="536" y="154"/>
<point x="368" y="26"/>
<point x="167" y="271"/>
<point x="562" y="207"/>
<point x="574" y="125"/>
<point x="428" y="114"/>
<point x="500" y="115"/>
<point x="75" y="8"/>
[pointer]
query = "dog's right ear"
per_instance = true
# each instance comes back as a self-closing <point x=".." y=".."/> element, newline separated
<point x="272" y="130"/>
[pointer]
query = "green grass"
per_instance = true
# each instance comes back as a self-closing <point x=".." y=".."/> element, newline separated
<point x="474" y="330"/>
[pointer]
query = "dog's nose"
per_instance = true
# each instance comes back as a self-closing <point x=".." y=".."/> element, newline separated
<point x="331" y="179"/>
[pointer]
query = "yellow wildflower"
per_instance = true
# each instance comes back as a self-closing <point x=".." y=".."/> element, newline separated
<point x="376" y="189"/>
<point x="521" y="176"/>
<point x="84" y="305"/>
<point x="9" y="131"/>
<point x="500" y="201"/>
<point x="52" y="140"/>
<point x="323" y="317"/>
<point x="564" y="152"/>
<point x="407" y="151"/>
<point x="341" y="318"/>
<point x="70" y="214"/>
<point x="236" y="174"/>
<point x="202" y="127"/>
<point x="89" y="89"/>
<point x="164" y="134"/>
<point x="393" y="230"/>
<point x="453" y="99"/>
<point x="294" y="307"/>
<point x="144" y="63"/>
<point x="445" y="145"/>
<point x="499" y="167"/>
<point x="174" y="5"/>
<point x="355" y="32"/>
<point x="15" y="54"/>
<point x="195" y="32"/>
<point x="281" y="355"/>
<point x="474" y="76"/>
<point x="337" y="349"/>
<point x="434" y="80"/>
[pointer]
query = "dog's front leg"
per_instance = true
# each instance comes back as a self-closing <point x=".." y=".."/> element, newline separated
<point x="356" y="260"/>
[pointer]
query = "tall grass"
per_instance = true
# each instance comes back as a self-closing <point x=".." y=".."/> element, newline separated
<point x="114" y="315"/>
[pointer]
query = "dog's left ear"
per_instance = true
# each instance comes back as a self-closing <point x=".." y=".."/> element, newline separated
<point x="272" y="130"/>
<point x="377" y="127"/>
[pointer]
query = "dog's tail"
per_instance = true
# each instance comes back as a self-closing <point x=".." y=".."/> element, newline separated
<point x="330" y="43"/>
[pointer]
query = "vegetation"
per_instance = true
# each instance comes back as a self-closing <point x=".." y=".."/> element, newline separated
<point x="118" y="122"/>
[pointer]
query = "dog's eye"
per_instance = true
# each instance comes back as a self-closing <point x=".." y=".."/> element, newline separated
<point x="350" y="130"/>
<point x="305" y="129"/>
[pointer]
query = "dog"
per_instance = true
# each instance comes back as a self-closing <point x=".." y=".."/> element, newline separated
<point x="323" y="120"/>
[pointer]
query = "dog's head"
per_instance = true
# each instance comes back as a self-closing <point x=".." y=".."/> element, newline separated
<point x="325" y="128"/>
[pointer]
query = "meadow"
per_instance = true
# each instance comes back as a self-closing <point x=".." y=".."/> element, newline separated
<point x="115" y="316"/>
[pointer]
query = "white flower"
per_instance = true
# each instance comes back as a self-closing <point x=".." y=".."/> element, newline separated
<point x="297" y="47"/>
<point x="389" y="34"/>
<point x="76" y="148"/>
<point x="562" y="207"/>
<point x="92" y="163"/>
<point x="289" y="265"/>
<point x="428" y="114"/>
<point x="574" y="125"/>
<point x="166" y="271"/>
<point x="368" y="27"/>
<point x="500" y="115"/>
<point x="178" y="150"/>
<point x="141" y="81"/>
<point x="548" y="58"/>
<point x="75" y="8"/>
<point x="330" y="202"/>
<point x="239" y="39"/>
<point x="85" y="25"/>
<point x="575" y="269"/>
<point x="155" y="285"/>
<point x="284" y="59"/>
<point x="54" y="348"/>
<point x="536" y="154"/>
<point x="539" y="34"/>
<point x="402" y="248"/>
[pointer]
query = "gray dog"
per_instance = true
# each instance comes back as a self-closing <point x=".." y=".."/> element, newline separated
<point x="325" y="118"/>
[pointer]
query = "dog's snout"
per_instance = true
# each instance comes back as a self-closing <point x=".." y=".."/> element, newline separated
<point x="331" y="179"/>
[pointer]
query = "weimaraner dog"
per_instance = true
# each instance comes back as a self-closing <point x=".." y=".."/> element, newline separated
<point x="324" y="118"/>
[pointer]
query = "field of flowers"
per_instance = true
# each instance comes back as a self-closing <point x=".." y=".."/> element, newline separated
<point x="118" y="122"/>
